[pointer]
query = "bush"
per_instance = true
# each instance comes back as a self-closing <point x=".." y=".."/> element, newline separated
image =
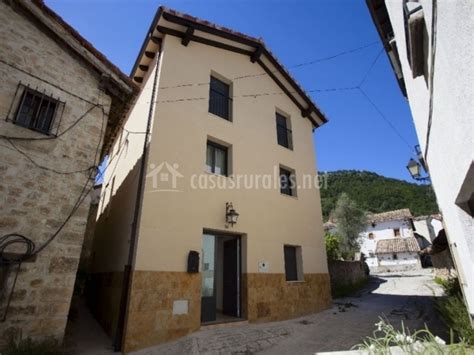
<point x="30" y="347"/>
<point x="332" y="247"/>
<point x="419" y="342"/>
<point x="453" y="310"/>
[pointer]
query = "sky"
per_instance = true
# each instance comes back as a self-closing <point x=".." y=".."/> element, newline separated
<point x="357" y="136"/>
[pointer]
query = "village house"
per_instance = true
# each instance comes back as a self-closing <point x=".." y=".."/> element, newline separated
<point x="61" y="102"/>
<point x="428" y="226"/>
<point x="171" y="255"/>
<point x="429" y="44"/>
<point x="388" y="241"/>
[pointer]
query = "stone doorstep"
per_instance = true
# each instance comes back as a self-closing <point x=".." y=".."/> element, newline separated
<point x="230" y="324"/>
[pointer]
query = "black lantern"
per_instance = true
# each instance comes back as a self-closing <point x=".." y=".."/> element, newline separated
<point x="231" y="215"/>
<point x="414" y="168"/>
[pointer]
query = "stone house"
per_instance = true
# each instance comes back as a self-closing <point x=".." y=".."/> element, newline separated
<point x="380" y="244"/>
<point x="429" y="45"/>
<point x="169" y="253"/>
<point x="61" y="101"/>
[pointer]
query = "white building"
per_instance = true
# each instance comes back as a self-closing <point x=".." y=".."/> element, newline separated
<point x="429" y="44"/>
<point x="388" y="241"/>
<point x="428" y="226"/>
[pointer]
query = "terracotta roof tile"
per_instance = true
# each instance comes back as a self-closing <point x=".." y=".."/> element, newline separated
<point x="397" y="245"/>
<point x="390" y="216"/>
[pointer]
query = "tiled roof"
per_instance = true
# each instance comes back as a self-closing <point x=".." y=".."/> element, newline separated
<point x="397" y="245"/>
<point x="390" y="216"/>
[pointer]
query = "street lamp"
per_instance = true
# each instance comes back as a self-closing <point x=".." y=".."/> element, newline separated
<point x="231" y="215"/>
<point x="414" y="167"/>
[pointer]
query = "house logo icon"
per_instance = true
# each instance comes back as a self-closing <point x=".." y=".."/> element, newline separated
<point x="164" y="177"/>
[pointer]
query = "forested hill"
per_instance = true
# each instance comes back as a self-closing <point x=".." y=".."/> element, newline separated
<point x="376" y="193"/>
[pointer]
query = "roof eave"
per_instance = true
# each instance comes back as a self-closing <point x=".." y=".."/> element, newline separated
<point x="309" y="110"/>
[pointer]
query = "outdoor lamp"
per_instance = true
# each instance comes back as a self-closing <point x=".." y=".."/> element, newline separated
<point x="231" y="215"/>
<point x="414" y="168"/>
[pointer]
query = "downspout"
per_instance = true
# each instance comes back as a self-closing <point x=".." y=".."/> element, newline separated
<point x="127" y="277"/>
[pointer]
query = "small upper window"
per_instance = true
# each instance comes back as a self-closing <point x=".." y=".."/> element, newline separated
<point x="36" y="111"/>
<point x="220" y="102"/>
<point x="287" y="182"/>
<point x="371" y="235"/>
<point x="396" y="232"/>
<point x="216" y="158"/>
<point x="284" y="135"/>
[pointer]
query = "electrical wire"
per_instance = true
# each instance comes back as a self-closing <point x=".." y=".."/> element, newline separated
<point x="30" y="248"/>
<point x="47" y="82"/>
<point x="295" y="66"/>
<point x="81" y="117"/>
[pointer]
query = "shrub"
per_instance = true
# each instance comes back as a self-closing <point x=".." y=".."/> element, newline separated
<point x="419" y="342"/>
<point x="332" y="246"/>
<point x="453" y="310"/>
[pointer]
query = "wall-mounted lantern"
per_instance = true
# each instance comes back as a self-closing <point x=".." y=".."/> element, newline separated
<point x="231" y="215"/>
<point x="414" y="167"/>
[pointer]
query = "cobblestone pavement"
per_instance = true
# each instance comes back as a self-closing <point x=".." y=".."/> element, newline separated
<point x="397" y="297"/>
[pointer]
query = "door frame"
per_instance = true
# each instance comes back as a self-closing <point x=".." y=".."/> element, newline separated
<point x="219" y="233"/>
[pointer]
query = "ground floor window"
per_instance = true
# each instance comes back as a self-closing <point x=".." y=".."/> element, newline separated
<point x="293" y="263"/>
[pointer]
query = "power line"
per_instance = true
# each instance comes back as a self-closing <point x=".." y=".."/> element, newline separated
<point x="315" y="61"/>
<point x="382" y="115"/>
<point x="48" y="82"/>
<point x="370" y="68"/>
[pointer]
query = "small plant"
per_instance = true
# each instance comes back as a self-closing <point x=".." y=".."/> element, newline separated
<point x="453" y="310"/>
<point x="388" y="340"/>
<point x="332" y="246"/>
<point x="31" y="347"/>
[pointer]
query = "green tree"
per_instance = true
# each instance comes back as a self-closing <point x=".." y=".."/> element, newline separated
<point x="333" y="245"/>
<point x="350" y="221"/>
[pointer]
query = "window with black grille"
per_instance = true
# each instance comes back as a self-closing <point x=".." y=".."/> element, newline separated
<point x="287" y="182"/>
<point x="220" y="102"/>
<point x="36" y="111"/>
<point x="284" y="135"/>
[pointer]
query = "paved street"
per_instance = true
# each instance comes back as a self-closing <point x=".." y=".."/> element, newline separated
<point x="398" y="297"/>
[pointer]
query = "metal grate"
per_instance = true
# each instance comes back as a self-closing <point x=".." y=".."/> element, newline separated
<point x="36" y="110"/>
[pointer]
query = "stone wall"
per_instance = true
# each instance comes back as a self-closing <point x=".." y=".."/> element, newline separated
<point x="265" y="297"/>
<point x="269" y="297"/>
<point x="346" y="275"/>
<point x="33" y="201"/>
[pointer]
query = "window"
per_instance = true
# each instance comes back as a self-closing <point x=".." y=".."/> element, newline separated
<point x="293" y="263"/>
<point x="395" y="256"/>
<point x="284" y="136"/>
<point x="287" y="182"/>
<point x="396" y="232"/>
<point x="416" y="37"/>
<point x="371" y="235"/>
<point x="220" y="102"/>
<point x="465" y="198"/>
<point x="36" y="111"/>
<point x="216" y="158"/>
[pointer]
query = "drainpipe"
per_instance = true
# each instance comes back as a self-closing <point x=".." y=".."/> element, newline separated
<point x="127" y="277"/>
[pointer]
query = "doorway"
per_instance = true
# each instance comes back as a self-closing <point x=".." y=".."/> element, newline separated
<point x="221" y="275"/>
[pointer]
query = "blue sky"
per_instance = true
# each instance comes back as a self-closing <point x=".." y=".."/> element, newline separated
<point x="356" y="136"/>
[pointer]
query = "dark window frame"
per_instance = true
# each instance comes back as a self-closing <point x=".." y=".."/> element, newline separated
<point x="40" y="106"/>
<point x="217" y="96"/>
<point x="217" y="146"/>
<point x="397" y="232"/>
<point x="284" y="134"/>
<point x="290" y="189"/>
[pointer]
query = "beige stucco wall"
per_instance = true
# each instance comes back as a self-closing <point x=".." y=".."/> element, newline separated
<point x="34" y="202"/>
<point x="172" y="222"/>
